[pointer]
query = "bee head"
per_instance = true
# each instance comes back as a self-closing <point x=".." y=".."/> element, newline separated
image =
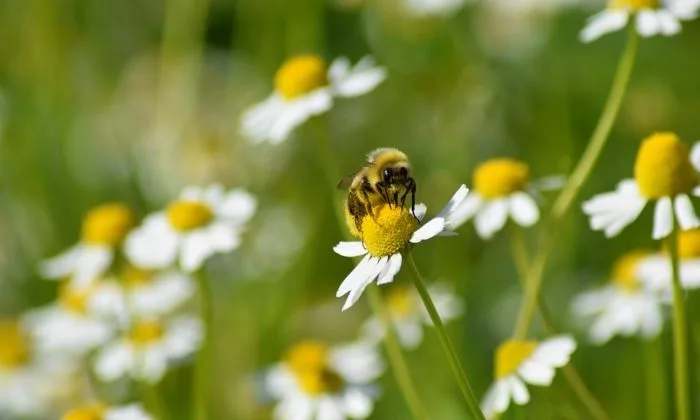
<point x="395" y="174"/>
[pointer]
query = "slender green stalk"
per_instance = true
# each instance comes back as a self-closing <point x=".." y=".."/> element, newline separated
<point x="571" y="374"/>
<point x="655" y="380"/>
<point x="153" y="401"/>
<point x="680" y="334"/>
<point x="447" y="346"/>
<point x="203" y="366"/>
<point x="573" y="185"/>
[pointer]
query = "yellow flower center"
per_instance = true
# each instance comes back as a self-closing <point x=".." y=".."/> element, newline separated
<point x="90" y="411"/>
<point x="107" y="224"/>
<point x="135" y="277"/>
<point x="146" y="332"/>
<point x="75" y="299"/>
<point x="388" y="231"/>
<point x="633" y="4"/>
<point x="500" y="177"/>
<point x="663" y="167"/>
<point x="401" y="302"/>
<point x="301" y="75"/>
<point x="14" y="350"/>
<point x="511" y="354"/>
<point x="689" y="244"/>
<point x="186" y="215"/>
<point x="308" y="361"/>
<point x="624" y="272"/>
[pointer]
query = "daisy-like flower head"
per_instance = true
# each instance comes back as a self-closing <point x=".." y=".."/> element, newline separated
<point x="96" y="410"/>
<point x="317" y="381"/>
<point x="384" y="236"/>
<point x="201" y="223"/>
<point x="408" y="314"/>
<point x="305" y="86"/>
<point x="104" y="229"/>
<point x="68" y="326"/>
<point x="655" y="271"/>
<point x="663" y="173"/>
<point x="652" y="17"/>
<point x="148" y="348"/>
<point x="500" y="192"/>
<point x="622" y="307"/>
<point x="520" y="362"/>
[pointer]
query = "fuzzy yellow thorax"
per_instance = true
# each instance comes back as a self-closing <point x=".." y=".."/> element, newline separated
<point x="388" y="231"/>
<point x="635" y="5"/>
<point x="500" y="177"/>
<point x="510" y="355"/>
<point x="624" y="272"/>
<point x="663" y="167"/>
<point x="185" y="215"/>
<point x="401" y="302"/>
<point x="90" y="411"/>
<point x="300" y="75"/>
<point x="308" y="361"/>
<point x="14" y="350"/>
<point x="146" y="332"/>
<point x="107" y="224"/>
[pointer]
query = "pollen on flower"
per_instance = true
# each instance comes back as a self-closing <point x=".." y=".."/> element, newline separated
<point x="624" y="272"/>
<point x="107" y="224"/>
<point x="73" y="298"/>
<point x="663" y="167"/>
<point x="90" y="411"/>
<point x="689" y="244"/>
<point x="400" y="302"/>
<point x="388" y="231"/>
<point x="308" y="361"/>
<point x="186" y="215"/>
<point x="134" y="277"/>
<point x="144" y="332"/>
<point x="300" y="75"/>
<point x="510" y="355"/>
<point x="633" y="4"/>
<point x="14" y="350"/>
<point x="500" y="177"/>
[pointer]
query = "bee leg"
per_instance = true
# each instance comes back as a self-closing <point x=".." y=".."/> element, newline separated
<point x="410" y="188"/>
<point x="381" y="189"/>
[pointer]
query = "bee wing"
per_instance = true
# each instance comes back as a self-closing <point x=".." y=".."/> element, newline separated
<point x="346" y="182"/>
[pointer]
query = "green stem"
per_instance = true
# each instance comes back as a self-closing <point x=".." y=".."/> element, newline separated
<point x="447" y="346"/>
<point x="680" y="333"/>
<point x="578" y="177"/>
<point x="153" y="401"/>
<point x="571" y="374"/>
<point x="655" y="380"/>
<point x="201" y="387"/>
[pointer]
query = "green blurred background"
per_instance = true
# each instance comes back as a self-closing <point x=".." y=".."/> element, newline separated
<point x="132" y="100"/>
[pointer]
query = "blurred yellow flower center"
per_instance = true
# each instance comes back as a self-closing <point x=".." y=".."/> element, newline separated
<point x="633" y="4"/>
<point x="186" y="215"/>
<point x="500" y="177"/>
<point x="107" y="224"/>
<point x="301" y="75"/>
<point x="388" y="231"/>
<point x="135" y="277"/>
<point x="511" y="354"/>
<point x="73" y="298"/>
<point x="91" y="411"/>
<point x="14" y="350"/>
<point x="145" y="332"/>
<point x="400" y="302"/>
<point x="663" y="167"/>
<point x="308" y="361"/>
<point x="689" y="244"/>
<point x="624" y="272"/>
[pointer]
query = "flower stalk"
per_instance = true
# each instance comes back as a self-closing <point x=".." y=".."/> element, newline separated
<point x="202" y="368"/>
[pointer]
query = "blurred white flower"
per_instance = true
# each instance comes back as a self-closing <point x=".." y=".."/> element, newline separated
<point x="148" y="348"/>
<point x="100" y="411"/>
<point x="651" y="17"/>
<point x="433" y="7"/>
<point x="408" y="314"/>
<point x="501" y="191"/>
<point x="201" y="223"/>
<point x="655" y="271"/>
<point x="663" y="173"/>
<point x="305" y="86"/>
<point x="317" y="382"/>
<point x="623" y="307"/>
<point x="104" y="229"/>
<point x="383" y="238"/>
<point x="67" y="326"/>
<point x="520" y="362"/>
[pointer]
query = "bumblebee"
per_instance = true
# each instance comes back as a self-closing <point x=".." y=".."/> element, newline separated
<point x="385" y="180"/>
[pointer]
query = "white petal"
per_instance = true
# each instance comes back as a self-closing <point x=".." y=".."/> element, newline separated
<point x="196" y="247"/>
<point x="668" y="23"/>
<point x="523" y="209"/>
<point x="457" y="199"/>
<point x="296" y="112"/>
<point x="429" y="230"/>
<point x="393" y="267"/>
<point x="465" y="210"/>
<point x="152" y="364"/>
<point x="114" y="361"/>
<point x="355" y="293"/>
<point x="258" y="120"/>
<point x="328" y="409"/>
<point x="153" y="245"/>
<point x="129" y="412"/>
<point x="410" y="333"/>
<point x="497" y="398"/>
<point x="648" y="23"/>
<point x="364" y="77"/>
<point x="357" y="275"/>
<point x="237" y="207"/>
<point x="420" y="210"/>
<point x="685" y="213"/>
<point x="535" y="373"/>
<point x="555" y="351"/>
<point x="695" y="156"/>
<point x="491" y="218"/>
<point x="613" y="211"/>
<point x="357" y="404"/>
<point x="339" y="69"/>
<point x="604" y="23"/>
<point x="663" y="218"/>
<point x="350" y="249"/>
<point x="518" y="390"/>
<point x="62" y="265"/>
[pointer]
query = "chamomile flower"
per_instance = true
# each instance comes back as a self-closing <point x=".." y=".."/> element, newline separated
<point x="663" y="173"/>
<point x="315" y="381"/>
<point x="96" y="410"/>
<point x="148" y="348"/>
<point x="104" y="229"/>
<point x="384" y="237"/>
<point x="655" y="270"/>
<point x="68" y="326"/>
<point x="622" y="307"/>
<point x="306" y="86"/>
<point x="201" y="223"/>
<point x="408" y="314"/>
<point x="520" y="362"/>
<point x="651" y="17"/>
<point x="427" y="8"/>
<point x="500" y="192"/>
<point x="142" y="293"/>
